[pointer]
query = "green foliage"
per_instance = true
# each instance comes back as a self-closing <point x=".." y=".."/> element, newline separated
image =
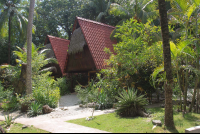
<point x="25" y="100"/>
<point x="44" y="90"/>
<point x="137" y="55"/>
<point x="8" y="120"/>
<point x="35" y="109"/>
<point x="38" y="58"/>
<point x="3" y="50"/>
<point x="86" y="94"/>
<point x="10" y="104"/>
<point x="4" y="95"/>
<point x="129" y="102"/>
<point x="8" y="100"/>
<point x="9" y="75"/>
<point x="63" y="84"/>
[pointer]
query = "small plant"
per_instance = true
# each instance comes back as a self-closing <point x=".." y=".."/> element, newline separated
<point x="24" y="101"/>
<point x="8" y="120"/>
<point x="130" y="104"/>
<point x="35" y="109"/>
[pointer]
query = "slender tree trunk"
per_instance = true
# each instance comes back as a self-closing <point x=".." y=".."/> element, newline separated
<point x="194" y="94"/>
<point x="186" y="87"/>
<point x="29" y="48"/>
<point x="179" y="82"/>
<point x="169" y="122"/>
<point x="9" y="40"/>
<point x="197" y="62"/>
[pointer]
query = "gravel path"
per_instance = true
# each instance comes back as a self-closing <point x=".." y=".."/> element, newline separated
<point x="55" y="122"/>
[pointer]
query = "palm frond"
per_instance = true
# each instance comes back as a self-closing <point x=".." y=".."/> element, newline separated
<point x="44" y="51"/>
<point x="52" y="60"/>
<point x="100" y="16"/>
<point x="190" y="68"/>
<point x="117" y="10"/>
<point x="156" y="72"/>
<point x="49" y="69"/>
<point x="20" y="49"/>
<point x="3" y="18"/>
<point x="5" y="66"/>
<point x="19" y="54"/>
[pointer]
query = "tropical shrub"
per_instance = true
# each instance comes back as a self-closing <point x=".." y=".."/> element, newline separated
<point x="44" y="90"/>
<point x="35" y="109"/>
<point x="25" y="101"/>
<point x="130" y="104"/>
<point x="87" y="93"/>
<point x="7" y="99"/>
<point x="101" y="91"/>
<point x="63" y="84"/>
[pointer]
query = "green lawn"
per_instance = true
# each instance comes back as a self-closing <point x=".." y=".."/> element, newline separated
<point x="115" y="124"/>
<point x="17" y="128"/>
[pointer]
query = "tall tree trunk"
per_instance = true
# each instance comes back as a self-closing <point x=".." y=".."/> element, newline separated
<point x="9" y="40"/>
<point x="29" y="48"/>
<point x="169" y="122"/>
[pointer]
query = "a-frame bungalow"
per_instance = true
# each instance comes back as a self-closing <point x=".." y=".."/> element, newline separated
<point x="86" y="50"/>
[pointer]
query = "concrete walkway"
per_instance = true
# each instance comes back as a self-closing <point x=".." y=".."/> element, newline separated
<point x="55" y="122"/>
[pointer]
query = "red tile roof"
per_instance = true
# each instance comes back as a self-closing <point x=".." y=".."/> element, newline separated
<point x="97" y="36"/>
<point x="60" y="47"/>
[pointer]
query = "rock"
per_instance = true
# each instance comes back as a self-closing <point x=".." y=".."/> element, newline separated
<point x="81" y="105"/>
<point x="115" y="105"/>
<point x="91" y="105"/>
<point x="2" y="130"/>
<point x="64" y="108"/>
<point x="25" y="126"/>
<point x="162" y="105"/>
<point x="46" y="109"/>
<point x="157" y="122"/>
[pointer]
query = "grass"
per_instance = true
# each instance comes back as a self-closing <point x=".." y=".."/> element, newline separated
<point x="115" y="124"/>
<point x="17" y="128"/>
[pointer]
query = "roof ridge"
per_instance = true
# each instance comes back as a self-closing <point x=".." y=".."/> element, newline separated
<point x="57" y="38"/>
<point x="92" y="21"/>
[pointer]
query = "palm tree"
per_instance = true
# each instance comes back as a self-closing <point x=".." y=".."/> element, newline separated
<point x="141" y="10"/>
<point x="169" y="122"/>
<point x="181" y="13"/>
<point x="29" y="48"/>
<point x="11" y="11"/>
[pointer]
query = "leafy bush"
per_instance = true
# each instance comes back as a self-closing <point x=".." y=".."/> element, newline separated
<point x="8" y="100"/>
<point x="35" y="109"/>
<point x="10" y="104"/>
<point x="102" y="91"/>
<point x="86" y="94"/>
<point x="45" y="91"/>
<point x="25" y="101"/>
<point x="130" y="103"/>
<point x="63" y="84"/>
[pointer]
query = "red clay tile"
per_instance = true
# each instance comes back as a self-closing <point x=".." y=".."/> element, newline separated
<point x="97" y="36"/>
<point x="60" y="47"/>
